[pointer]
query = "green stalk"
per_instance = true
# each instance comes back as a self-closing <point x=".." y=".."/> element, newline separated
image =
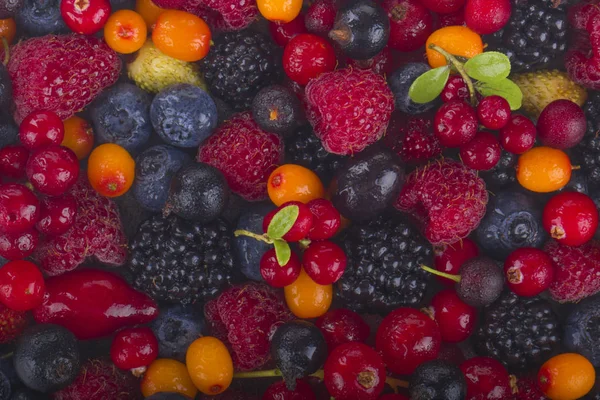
<point x="455" y="278"/>
<point x="262" y="238"/>
<point x="461" y="70"/>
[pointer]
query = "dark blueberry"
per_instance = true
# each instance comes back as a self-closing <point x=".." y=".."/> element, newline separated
<point x="5" y="386"/>
<point x="224" y="111"/>
<point x="28" y="394"/>
<point x="41" y="17"/>
<point x="7" y="367"/>
<point x="5" y="88"/>
<point x="8" y="8"/>
<point x="154" y="169"/>
<point x="183" y="115"/>
<point x="276" y="109"/>
<point x="400" y="81"/>
<point x="582" y="329"/>
<point x="116" y="5"/>
<point x="9" y="131"/>
<point x="438" y="380"/>
<point x="481" y="282"/>
<point x="504" y="173"/>
<point x="175" y="329"/>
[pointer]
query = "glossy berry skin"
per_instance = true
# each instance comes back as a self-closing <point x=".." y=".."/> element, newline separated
<point x="407" y="338"/>
<point x="12" y="161"/>
<point x="320" y="17"/>
<point x="53" y="170"/>
<point x="450" y="258"/>
<point x="327" y="219"/>
<point x="482" y="153"/>
<point x="21" y="285"/>
<point x="41" y="129"/>
<point x="528" y="271"/>
<point x="57" y="214"/>
<point x="410" y="24"/>
<point x="134" y="348"/>
<point x="278" y="391"/>
<point x="487" y="16"/>
<point x="518" y="135"/>
<point x="300" y="228"/>
<point x="455" y="123"/>
<point x="486" y="379"/>
<point x="438" y="379"/>
<point x="19" y="208"/>
<point x="493" y="112"/>
<point x="307" y="56"/>
<point x="354" y="371"/>
<point x="456" y="319"/>
<point x="282" y="33"/>
<point x="455" y="89"/>
<point x="571" y="218"/>
<point x="341" y="326"/>
<point x="324" y="262"/>
<point x="17" y="246"/>
<point x="276" y="275"/>
<point x="86" y="17"/>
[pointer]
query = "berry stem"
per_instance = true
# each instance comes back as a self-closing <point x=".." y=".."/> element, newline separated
<point x="396" y="383"/>
<point x="455" y="278"/>
<point x="459" y="67"/>
<point x="6" y="51"/>
<point x="262" y="238"/>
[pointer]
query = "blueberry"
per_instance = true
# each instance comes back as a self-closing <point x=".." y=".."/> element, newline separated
<point x="582" y="330"/>
<point x="154" y="169"/>
<point x="438" y="379"/>
<point x="175" y="329"/>
<point x="5" y="88"/>
<point x="276" y="109"/>
<point x="9" y="132"/>
<point x="512" y="220"/>
<point x="116" y="5"/>
<point x="41" y="17"/>
<point x="121" y="115"/>
<point x="27" y="394"/>
<point x="183" y="115"/>
<point x="400" y="82"/>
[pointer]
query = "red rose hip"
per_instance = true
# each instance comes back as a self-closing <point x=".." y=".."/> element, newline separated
<point x="326" y="221"/>
<point x="482" y="153"/>
<point x="324" y="262"/>
<point x="307" y="56"/>
<point x="134" y="348"/>
<point x="456" y="319"/>
<point x="57" y="214"/>
<point x="17" y="246"/>
<point x="518" y="135"/>
<point x="493" y="112"/>
<point x="571" y="218"/>
<point x="529" y="271"/>
<point x="13" y="160"/>
<point x="341" y="326"/>
<point x="450" y="258"/>
<point x="300" y="228"/>
<point x="53" y="170"/>
<point x="19" y="208"/>
<point x="277" y="275"/>
<point x="85" y="16"/>
<point x="41" y="129"/>
<point x="455" y="123"/>
<point x="21" y="285"/>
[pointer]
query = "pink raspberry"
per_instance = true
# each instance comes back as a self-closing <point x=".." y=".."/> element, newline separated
<point x="583" y="60"/>
<point x="447" y="198"/>
<point x="245" y="154"/>
<point x="245" y="317"/>
<point x="349" y="109"/>
<point x="221" y="15"/>
<point x="414" y="141"/>
<point x="97" y="232"/>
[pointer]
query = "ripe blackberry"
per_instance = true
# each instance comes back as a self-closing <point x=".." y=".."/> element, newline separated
<point x="521" y="332"/>
<point x="177" y="261"/>
<point x="384" y="265"/>
<point x="305" y="149"/>
<point x="239" y="64"/>
<point x="535" y="35"/>
<point x="587" y="152"/>
<point x="504" y="173"/>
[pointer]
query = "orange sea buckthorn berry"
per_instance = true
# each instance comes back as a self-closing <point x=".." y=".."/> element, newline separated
<point x="209" y="365"/>
<point x="456" y="40"/>
<point x="125" y="31"/>
<point x="166" y="375"/>
<point x="111" y="170"/>
<point x="291" y="182"/>
<point x="544" y="169"/>
<point x="279" y="10"/>
<point x="79" y="136"/>
<point x="567" y="376"/>
<point x="307" y="299"/>
<point x="149" y="11"/>
<point x="181" y="35"/>
<point x="8" y="29"/>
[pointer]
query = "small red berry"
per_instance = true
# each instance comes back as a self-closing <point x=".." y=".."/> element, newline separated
<point x="493" y="112"/>
<point x="455" y="89"/>
<point x="341" y="326"/>
<point x="282" y="33"/>
<point x="443" y="6"/>
<point x="279" y="391"/>
<point x="17" y="246"/>
<point x="300" y="228"/>
<point x="276" y="275"/>
<point x="411" y="24"/>
<point x="85" y="16"/>
<point x="486" y="379"/>
<point x="482" y="153"/>
<point x="307" y="56"/>
<point x="487" y="16"/>
<point x="529" y="271"/>
<point x="354" y="371"/>
<point x="518" y="135"/>
<point x="41" y="129"/>
<point x="324" y="262"/>
<point x="320" y="17"/>
<point x="450" y="258"/>
<point x="456" y="18"/>
<point x="19" y="208"/>
<point x="455" y="123"/>
<point x="12" y="161"/>
<point x="22" y="285"/>
<point x="53" y="170"/>
<point x="57" y="214"/>
<point x="326" y="221"/>
<point x="134" y="348"/>
<point x="571" y="218"/>
<point x="456" y="319"/>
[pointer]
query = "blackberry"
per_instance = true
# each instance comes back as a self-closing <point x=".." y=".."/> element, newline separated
<point x="504" y="173"/>
<point x="239" y="64"/>
<point x="587" y="153"/>
<point x="521" y="332"/>
<point x="179" y="261"/>
<point x="384" y="265"/>
<point x="535" y="36"/>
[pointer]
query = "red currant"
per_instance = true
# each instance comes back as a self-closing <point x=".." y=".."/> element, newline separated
<point x="456" y="319"/>
<point x="276" y="275"/>
<point x="482" y="153"/>
<point x="529" y="271"/>
<point x="571" y="218"/>
<point x="278" y="391"/>
<point x="307" y="56"/>
<point x="19" y="208"/>
<point x="282" y="33"/>
<point x="85" y="16"/>
<point x="455" y="89"/>
<point x="493" y="112"/>
<point x="326" y="221"/>
<point x="455" y="123"/>
<point x="134" y="348"/>
<point x="320" y="17"/>
<point x="57" y="214"/>
<point x="341" y="326"/>
<point x="486" y="379"/>
<point x="324" y="262"/>
<point x="301" y="227"/>
<point x="17" y="246"/>
<point x="22" y="285"/>
<point x="12" y="161"/>
<point x="40" y="129"/>
<point x="518" y="135"/>
<point x="410" y="24"/>
<point x="53" y="170"/>
<point x="450" y="258"/>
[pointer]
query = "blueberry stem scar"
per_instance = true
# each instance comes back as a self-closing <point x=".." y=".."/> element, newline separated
<point x="459" y="67"/>
<point x="455" y="278"/>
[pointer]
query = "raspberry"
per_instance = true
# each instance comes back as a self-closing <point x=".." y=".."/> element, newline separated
<point x="349" y="109"/>
<point x="415" y="142"/>
<point x="73" y="70"/>
<point x="576" y="270"/>
<point x="528" y="389"/>
<point x="244" y="318"/>
<point x="447" y="198"/>
<point x="221" y="15"/>
<point x="12" y="323"/>
<point x="97" y="232"/>
<point x="245" y="154"/>
<point x="581" y="62"/>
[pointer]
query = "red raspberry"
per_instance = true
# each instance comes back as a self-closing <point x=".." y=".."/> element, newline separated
<point x="349" y="109"/>
<point x="73" y="71"/>
<point x="221" y="15"/>
<point x="528" y="389"/>
<point x="415" y="142"/>
<point x="245" y="154"/>
<point x="97" y="232"/>
<point x="583" y="64"/>
<point x="245" y="317"/>
<point x="447" y="198"/>
<point x="12" y="324"/>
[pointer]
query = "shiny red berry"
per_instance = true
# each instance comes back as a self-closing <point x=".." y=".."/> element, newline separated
<point x="354" y="371"/>
<point x="307" y="56"/>
<point x="324" y="262"/>
<point x="85" y="16"/>
<point x="282" y="33"/>
<point x="276" y="275"/>
<point x="456" y="319"/>
<point x="518" y="135"/>
<point x="326" y="221"/>
<point x="571" y="218"/>
<point x="451" y="257"/>
<point x="487" y="16"/>
<point x="486" y="379"/>
<point x="22" y="285"/>
<point x="411" y="24"/>
<point x="407" y="338"/>
<point x="482" y="153"/>
<point x="57" y="214"/>
<point x="455" y="89"/>
<point x="493" y="112"/>
<point x="12" y="161"/>
<point x="279" y="391"/>
<point x="341" y="326"/>
<point x="41" y="129"/>
<point x="320" y="16"/>
<point x="529" y="271"/>
<point x="19" y="208"/>
<point x="456" y="18"/>
<point x="455" y="123"/>
<point x="53" y="170"/>
<point x="17" y="246"/>
<point x="134" y="348"/>
<point x="300" y="228"/>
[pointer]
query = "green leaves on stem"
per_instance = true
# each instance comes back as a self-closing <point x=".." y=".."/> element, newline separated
<point x="283" y="252"/>
<point x="429" y="86"/>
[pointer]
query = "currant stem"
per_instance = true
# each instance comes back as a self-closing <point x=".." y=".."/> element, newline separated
<point x="455" y="278"/>
<point x="459" y="67"/>
<point x="262" y="238"/>
<point x="396" y="383"/>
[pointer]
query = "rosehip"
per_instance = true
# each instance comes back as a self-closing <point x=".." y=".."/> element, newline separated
<point x="22" y="285"/>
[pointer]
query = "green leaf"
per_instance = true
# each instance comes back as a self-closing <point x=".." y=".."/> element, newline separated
<point x="428" y="86"/>
<point x="504" y="88"/>
<point x="490" y="67"/>
<point x="283" y="221"/>
<point x="282" y="251"/>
